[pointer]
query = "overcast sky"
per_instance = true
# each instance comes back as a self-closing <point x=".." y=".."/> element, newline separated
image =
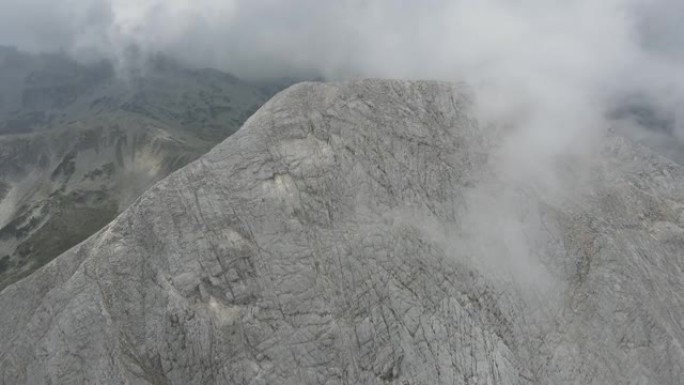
<point x="559" y="59"/>
<point x="548" y="69"/>
<point x="417" y="38"/>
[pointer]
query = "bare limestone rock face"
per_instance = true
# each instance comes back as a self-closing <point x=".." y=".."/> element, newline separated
<point x="358" y="233"/>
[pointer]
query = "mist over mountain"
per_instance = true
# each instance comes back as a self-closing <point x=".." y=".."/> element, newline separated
<point x="575" y="62"/>
<point x="79" y="143"/>
<point x="476" y="192"/>
<point x="559" y="72"/>
<point x="370" y="232"/>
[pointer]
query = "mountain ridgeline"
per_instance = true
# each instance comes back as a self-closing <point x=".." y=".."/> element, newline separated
<point x="80" y="142"/>
<point x="364" y="233"/>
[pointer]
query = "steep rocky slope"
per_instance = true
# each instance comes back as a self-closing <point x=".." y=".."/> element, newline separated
<point x="357" y="233"/>
<point x="79" y="144"/>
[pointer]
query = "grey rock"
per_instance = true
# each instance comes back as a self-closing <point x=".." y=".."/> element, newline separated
<point x="354" y="233"/>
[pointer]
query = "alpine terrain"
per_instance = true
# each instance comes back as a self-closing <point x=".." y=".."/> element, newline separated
<point x="349" y="233"/>
<point x="79" y="143"/>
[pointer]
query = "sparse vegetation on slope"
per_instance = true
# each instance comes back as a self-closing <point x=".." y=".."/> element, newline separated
<point x="78" y="143"/>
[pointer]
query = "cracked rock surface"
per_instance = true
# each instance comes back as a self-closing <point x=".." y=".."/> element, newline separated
<point x="355" y="233"/>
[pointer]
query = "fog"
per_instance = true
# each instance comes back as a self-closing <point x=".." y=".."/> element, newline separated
<point x="557" y="74"/>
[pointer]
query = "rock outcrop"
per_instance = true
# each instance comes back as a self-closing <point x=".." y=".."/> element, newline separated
<point x="355" y="233"/>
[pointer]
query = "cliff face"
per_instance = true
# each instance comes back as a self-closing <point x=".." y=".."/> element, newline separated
<point x="356" y="233"/>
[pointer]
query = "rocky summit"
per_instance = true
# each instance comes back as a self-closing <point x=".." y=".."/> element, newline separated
<point x="366" y="233"/>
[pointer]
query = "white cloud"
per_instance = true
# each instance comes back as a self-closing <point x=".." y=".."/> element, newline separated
<point x="550" y="69"/>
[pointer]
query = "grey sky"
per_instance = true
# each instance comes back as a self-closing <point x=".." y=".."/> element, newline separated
<point x="541" y="61"/>
<point x="414" y="38"/>
<point x="549" y="70"/>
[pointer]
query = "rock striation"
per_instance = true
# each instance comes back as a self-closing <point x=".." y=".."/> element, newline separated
<point x="357" y="233"/>
<point x="79" y="143"/>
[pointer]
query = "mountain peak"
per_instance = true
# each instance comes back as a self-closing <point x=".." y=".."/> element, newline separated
<point x="352" y="233"/>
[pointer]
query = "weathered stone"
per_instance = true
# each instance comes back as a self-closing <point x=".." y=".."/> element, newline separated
<point x="335" y="239"/>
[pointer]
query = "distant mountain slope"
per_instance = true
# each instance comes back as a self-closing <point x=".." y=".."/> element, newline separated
<point x="79" y="144"/>
<point x="657" y="128"/>
<point x="359" y="233"/>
